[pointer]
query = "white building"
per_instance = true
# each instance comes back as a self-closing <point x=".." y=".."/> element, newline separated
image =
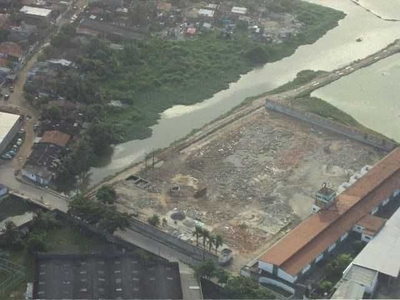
<point x="206" y="13"/>
<point x="9" y="126"/>
<point x="36" y="13"/>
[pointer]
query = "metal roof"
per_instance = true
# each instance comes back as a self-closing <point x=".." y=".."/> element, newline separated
<point x="383" y="252"/>
<point x="7" y="122"/>
<point x="35" y="11"/>
<point x="361" y="275"/>
<point x="349" y="290"/>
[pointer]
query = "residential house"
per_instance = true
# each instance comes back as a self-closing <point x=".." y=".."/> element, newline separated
<point x="35" y="15"/>
<point x="10" y="51"/>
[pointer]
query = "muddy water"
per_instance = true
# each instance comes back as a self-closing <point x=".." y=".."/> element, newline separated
<point x="370" y="95"/>
<point x="337" y="48"/>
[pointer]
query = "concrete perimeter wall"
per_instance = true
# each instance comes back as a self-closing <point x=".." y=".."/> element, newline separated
<point x="171" y="241"/>
<point x="355" y="134"/>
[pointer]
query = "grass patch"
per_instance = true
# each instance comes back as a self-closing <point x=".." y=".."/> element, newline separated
<point x="152" y="76"/>
<point x="326" y="110"/>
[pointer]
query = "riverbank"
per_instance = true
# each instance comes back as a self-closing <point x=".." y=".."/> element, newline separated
<point x="169" y="73"/>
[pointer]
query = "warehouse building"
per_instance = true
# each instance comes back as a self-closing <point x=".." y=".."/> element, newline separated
<point x="352" y="210"/>
<point x="104" y="276"/>
<point x="9" y="126"/>
<point x="378" y="262"/>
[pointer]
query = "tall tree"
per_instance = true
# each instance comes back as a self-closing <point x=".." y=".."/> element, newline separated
<point x="198" y="230"/>
<point x="106" y="194"/>
<point x="218" y="242"/>
<point x="211" y="242"/>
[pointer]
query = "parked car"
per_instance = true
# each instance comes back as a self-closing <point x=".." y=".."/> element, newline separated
<point x="19" y="142"/>
<point x="226" y="256"/>
<point x="6" y="97"/>
<point x="21" y="131"/>
<point x="6" y="156"/>
<point x="11" y="88"/>
<point x="12" y="153"/>
<point x="14" y="148"/>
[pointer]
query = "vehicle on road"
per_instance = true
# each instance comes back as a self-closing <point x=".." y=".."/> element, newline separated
<point x="11" y="88"/>
<point x="12" y="153"/>
<point x="19" y="142"/>
<point x="6" y="156"/>
<point x="226" y="256"/>
<point x="6" y="97"/>
<point x="21" y="131"/>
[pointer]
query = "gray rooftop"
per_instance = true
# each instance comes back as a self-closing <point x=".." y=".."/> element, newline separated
<point x="349" y="290"/>
<point x="361" y="275"/>
<point x="95" y="276"/>
<point x="382" y="254"/>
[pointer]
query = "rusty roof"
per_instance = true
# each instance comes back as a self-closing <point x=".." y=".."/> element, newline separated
<point x="372" y="224"/>
<point x="320" y="230"/>
<point x="11" y="49"/>
<point x="55" y="137"/>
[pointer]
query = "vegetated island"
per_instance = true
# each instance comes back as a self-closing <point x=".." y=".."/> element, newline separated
<point x="122" y="88"/>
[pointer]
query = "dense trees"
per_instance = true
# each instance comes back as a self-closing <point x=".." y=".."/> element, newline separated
<point x="106" y="194"/>
<point x="154" y="220"/>
<point x="233" y="287"/>
<point x="104" y="217"/>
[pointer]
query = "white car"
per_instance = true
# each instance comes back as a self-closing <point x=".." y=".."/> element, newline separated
<point x="19" y="142"/>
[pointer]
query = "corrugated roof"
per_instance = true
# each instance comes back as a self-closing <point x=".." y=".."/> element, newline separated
<point x="363" y="276"/>
<point x="349" y="290"/>
<point x="7" y="122"/>
<point x="55" y="137"/>
<point x="315" y="234"/>
<point x="35" y="11"/>
<point x="383" y="252"/>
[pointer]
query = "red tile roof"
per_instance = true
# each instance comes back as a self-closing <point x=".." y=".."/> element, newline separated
<point x="315" y="234"/>
<point x="11" y="49"/>
<point x="55" y="137"/>
<point x="372" y="224"/>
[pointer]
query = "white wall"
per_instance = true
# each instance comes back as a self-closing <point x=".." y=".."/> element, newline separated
<point x="396" y="192"/>
<point x="384" y="202"/>
<point x="276" y="283"/>
<point x="305" y="269"/>
<point x="267" y="267"/>
<point x="358" y="228"/>
<point x="366" y="238"/>
<point x="285" y="276"/>
<point x="331" y="247"/>
<point x="344" y="236"/>
<point x="374" y="211"/>
<point x="319" y="257"/>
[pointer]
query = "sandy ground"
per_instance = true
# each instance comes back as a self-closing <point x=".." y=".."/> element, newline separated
<point x="260" y="175"/>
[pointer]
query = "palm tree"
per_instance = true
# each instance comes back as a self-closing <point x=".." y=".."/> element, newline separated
<point x="206" y="236"/>
<point x="211" y="242"/>
<point x="11" y="234"/>
<point x="198" y="231"/>
<point x="218" y="242"/>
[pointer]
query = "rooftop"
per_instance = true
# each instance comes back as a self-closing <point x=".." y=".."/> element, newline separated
<point x="320" y="230"/>
<point x="165" y="6"/>
<point x="55" y="137"/>
<point x="7" y="122"/>
<point x="206" y="12"/>
<point x="95" y="276"/>
<point x="11" y="49"/>
<point x="45" y="156"/>
<point x="371" y="224"/>
<point x="349" y="290"/>
<point x="326" y="191"/>
<point x="35" y="11"/>
<point x="382" y="254"/>
<point x="117" y="31"/>
<point x="239" y="10"/>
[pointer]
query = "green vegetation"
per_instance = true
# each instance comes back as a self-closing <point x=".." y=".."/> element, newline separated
<point x="103" y="217"/>
<point x="11" y="206"/>
<point x="154" y="220"/>
<point x="106" y="194"/>
<point x="232" y="287"/>
<point x="301" y="78"/>
<point x="324" y="109"/>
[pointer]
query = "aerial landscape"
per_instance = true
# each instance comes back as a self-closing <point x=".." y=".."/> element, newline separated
<point x="185" y="149"/>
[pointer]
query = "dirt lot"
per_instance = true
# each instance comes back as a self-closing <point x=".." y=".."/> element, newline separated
<point x="260" y="175"/>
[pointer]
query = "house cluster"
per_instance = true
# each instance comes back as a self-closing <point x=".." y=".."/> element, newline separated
<point x="42" y="79"/>
<point x="52" y="143"/>
<point x="335" y="215"/>
<point x="43" y="11"/>
<point x="45" y="158"/>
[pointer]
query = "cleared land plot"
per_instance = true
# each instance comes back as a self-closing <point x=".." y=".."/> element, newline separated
<point x="260" y="175"/>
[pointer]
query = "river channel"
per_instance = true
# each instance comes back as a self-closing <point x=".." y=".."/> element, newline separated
<point x="336" y="49"/>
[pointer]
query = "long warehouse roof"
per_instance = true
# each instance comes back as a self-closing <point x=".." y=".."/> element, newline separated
<point x="7" y="121"/>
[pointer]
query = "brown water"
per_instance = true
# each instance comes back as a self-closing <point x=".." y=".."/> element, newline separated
<point x="337" y="48"/>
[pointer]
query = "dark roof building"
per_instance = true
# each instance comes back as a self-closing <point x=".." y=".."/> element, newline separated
<point x="55" y="137"/>
<point x="99" y="276"/>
